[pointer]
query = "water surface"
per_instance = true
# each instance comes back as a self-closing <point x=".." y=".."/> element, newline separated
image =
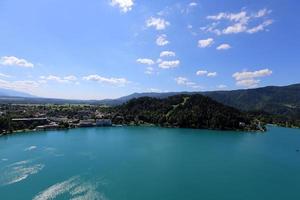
<point x="134" y="163"/>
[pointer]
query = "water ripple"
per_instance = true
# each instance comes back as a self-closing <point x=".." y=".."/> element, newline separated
<point x="19" y="171"/>
<point x="74" y="187"/>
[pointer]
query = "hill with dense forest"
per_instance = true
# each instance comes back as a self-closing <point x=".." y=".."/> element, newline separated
<point x="186" y="111"/>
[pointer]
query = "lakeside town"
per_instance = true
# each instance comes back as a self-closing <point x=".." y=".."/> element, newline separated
<point x="18" y="117"/>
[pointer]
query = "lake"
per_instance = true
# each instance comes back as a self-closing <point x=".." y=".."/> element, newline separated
<point x="150" y="163"/>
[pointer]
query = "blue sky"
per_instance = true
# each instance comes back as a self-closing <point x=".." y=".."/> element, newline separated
<point x="109" y="48"/>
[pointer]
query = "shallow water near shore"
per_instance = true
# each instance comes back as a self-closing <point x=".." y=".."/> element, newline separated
<point x="137" y="163"/>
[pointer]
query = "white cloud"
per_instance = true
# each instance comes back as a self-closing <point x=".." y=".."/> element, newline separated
<point x="260" y="27"/>
<point x="70" y="78"/>
<point x="24" y="86"/>
<point x="235" y="28"/>
<point x="149" y="70"/>
<point x="157" y="23"/>
<point x="169" y="64"/>
<point x="249" y="79"/>
<point x="211" y="74"/>
<point x="5" y="75"/>
<point x="14" y="61"/>
<point x="222" y="86"/>
<point x="223" y="47"/>
<point x="145" y="61"/>
<point x="167" y="54"/>
<point x="124" y="5"/>
<point x="66" y="79"/>
<point x="201" y="72"/>
<point x="111" y="81"/>
<point x="250" y="75"/>
<point x="186" y="82"/>
<point x="239" y="22"/>
<point x="162" y="40"/>
<point x="206" y="73"/>
<point x="205" y="43"/>
<point x="193" y="4"/>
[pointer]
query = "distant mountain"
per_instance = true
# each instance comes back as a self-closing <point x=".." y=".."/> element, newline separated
<point x="278" y="100"/>
<point x="187" y="111"/>
<point x="13" y="93"/>
<point x="284" y="100"/>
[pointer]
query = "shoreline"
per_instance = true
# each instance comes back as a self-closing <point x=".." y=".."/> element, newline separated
<point x="132" y="125"/>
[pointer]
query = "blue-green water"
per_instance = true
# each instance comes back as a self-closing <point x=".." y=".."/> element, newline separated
<point x="141" y="163"/>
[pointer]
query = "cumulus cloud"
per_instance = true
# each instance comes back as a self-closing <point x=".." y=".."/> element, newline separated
<point x="211" y="74"/>
<point x="169" y="64"/>
<point x="157" y="23"/>
<point x="223" y="47"/>
<point x="145" y="61"/>
<point x="201" y="72"/>
<point x="193" y="4"/>
<point x="206" y="73"/>
<point x="110" y="81"/>
<point x="14" y="61"/>
<point x="124" y="5"/>
<point x="162" y="40"/>
<point x="186" y="82"/>
<point x="167" y="54"/>
<point x="249" y="78"/>
<point x="238" y="22"/>
<point x="205" y="43"/>
<point x="250" y="75"/>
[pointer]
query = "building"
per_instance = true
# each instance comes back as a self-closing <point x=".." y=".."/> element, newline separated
<point x="86" y="123"/>
<point x="52" y="126"/>
<point x="103" y="122"/>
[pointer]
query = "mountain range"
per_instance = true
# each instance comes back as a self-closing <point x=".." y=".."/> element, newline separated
<point x="276" y="100"/>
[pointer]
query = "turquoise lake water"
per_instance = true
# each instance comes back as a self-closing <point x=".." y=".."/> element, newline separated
<point x="150" y="163"/>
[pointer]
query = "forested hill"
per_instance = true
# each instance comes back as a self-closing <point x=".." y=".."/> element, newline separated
<point x="272" y="99"/>
<point x="190" y="111"/>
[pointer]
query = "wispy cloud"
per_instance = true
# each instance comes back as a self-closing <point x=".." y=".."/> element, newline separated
<point x="66" y="79"/>
<point x="24" y="86"/>
<point x="186" y="82"/>
<point x="238" y="22"/>
<point x="5" y="75"/>
<point x="157" y="23"/>
<point x="110" y="81"/>
<point x="14" y="61"/>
